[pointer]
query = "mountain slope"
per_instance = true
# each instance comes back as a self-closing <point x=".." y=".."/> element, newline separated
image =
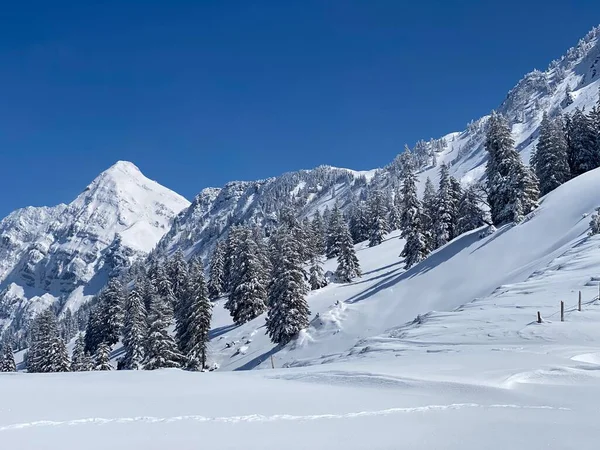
<point x="65" y="253"/>
<point x="570" y="82"/>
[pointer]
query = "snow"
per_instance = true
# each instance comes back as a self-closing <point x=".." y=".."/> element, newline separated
<point x="473" y="371"/>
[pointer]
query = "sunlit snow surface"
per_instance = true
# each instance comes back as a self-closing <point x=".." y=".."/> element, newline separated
<point x="473" y="371"/>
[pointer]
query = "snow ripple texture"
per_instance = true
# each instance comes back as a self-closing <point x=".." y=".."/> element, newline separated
<point x="271" y="418"/>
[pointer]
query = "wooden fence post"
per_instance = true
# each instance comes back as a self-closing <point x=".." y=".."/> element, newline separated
<point x="539" y="317"/>
<point x="562" y="311"/>
<point x="579" y="304"/>
<point x="272" y="362"/>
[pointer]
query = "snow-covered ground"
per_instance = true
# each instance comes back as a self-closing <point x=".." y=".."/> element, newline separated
<point x="474" y="370"/>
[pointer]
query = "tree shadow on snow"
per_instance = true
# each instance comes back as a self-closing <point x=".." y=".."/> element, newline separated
<point x="255" y="362"/>
<point x="437" y="258"/>
<point x="216" y="332"/>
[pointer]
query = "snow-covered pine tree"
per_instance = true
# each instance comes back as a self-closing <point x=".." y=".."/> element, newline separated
<point x="444" y="209"/>
<point x="428" y="215"/>
<point x="7" y="358"/>
<point x="247" y="299"/>
<point x="334" y="231"/>
<point x="288" y="310"/>
<point x="316" y="277"/>
<point x="47" y="351"/>
<point x="80" y="361"/>
<point x="177" y="272"/>
<point x="511" y="186"/>
<point x="199" y="314"/>
<point x="524" y="184"/>
<point x="348" y="266"/>
<point x="359" y="222"/>
<point x="102" y="357"/>
<point x="318" y="233"/>
<point x="134" y="330"/>
<point x="550" y="160"/>
<point x="456" y="193"/>
<point x="378" y="225"/>
<point x="216" y="283"/>
<point x="470" y="213"/>
<point x="415" y="249"/>
<point x="595" y="223"/>
<point x="111" y="308"/>
<point x="231" y="253"/>
<point x="161" y="350"/>
<point x="583" y="151"/>
<point x="395" y="210"/>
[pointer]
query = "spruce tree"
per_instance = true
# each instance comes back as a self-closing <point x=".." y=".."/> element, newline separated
<point x="247" y="299"/>
<point x="429" y="214"/>
<point x="111" y="310"/>
<point x="288" y="310"/>
<point x="444" y="209"/>
<point x="334" y="231"/>
<point x="216" y="283"/>
<point x="7" y="358"/>
<point x="80" y="361"/>
<point x="161" y="350"/>
<point x="456" y="193"/>
<point x="583" y="150"/>
<point x="348" y="266"/>
<point x="102" y="357"/>
<point x="134" y="330"/>
<point x="378" y="225"/>
<point x="550" y="159"/>
<point x="47" y="351"/>
<point x="415" y="248"/>
<point x="358" y="223"/>
<point x="316" y="278"/>
<point x="318" y="234"/>
<point x="512" y="190"/>
<point x="470" y="213"/>
<point x="199" y="314"/>
<point x="395" y="210"/>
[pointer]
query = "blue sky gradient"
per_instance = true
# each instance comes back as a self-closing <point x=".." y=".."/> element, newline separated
<point x="198" y="93"/>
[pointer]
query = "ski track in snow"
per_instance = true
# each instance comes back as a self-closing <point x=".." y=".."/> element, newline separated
<point x="271" y="418"/>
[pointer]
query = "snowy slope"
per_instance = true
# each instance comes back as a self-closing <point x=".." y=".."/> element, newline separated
<point x="66" y="252"/>
<point x="464" y="272"/>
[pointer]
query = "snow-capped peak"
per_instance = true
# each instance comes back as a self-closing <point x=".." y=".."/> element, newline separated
<point x="54" y="252"/>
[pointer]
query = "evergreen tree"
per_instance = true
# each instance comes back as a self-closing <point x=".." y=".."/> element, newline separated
<point x="318" y="234"/>
<point x="80" y="361"/>
<point x="111" y="310"/>
<point x="199" y="314"/>
<point x="550" y="160"/>
<point x="247" y="299"/>
<point x="47" y="351"/>
<point x="395" y="210"/>
<point x="7" y="359"/>
<point x="216" y="283"/>
<point x="511" y="186"/>
<point x="429" y="214"/>
<point x="102" y="357"/>
<point x="134" y="330"/>
<point x="456" y="194"/>
<point x="231" y="254"/>
<point x="415" y="248"/>
<point x="470" y="213"/>
<point x="161" y="351"/>
<point x="444" y="209"/>
<point x="334" y="231"/>
<point x="288" y="310"/>
<point x="348" y="267"/>
<point x="316" y="278"/>
<point x="359" y="223"/>
<point x="378" y="225"/>
<point x="595" y="223"/>
<point x="583" y="150"/>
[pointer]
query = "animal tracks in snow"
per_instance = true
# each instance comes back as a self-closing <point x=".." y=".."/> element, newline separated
<point x="266" y="418"/>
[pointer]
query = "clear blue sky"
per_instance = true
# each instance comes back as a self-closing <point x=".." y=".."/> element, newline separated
<point x="198" y="93"/>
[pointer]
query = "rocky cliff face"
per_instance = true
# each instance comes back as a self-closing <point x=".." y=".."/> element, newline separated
<point x="66" y="253"/>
